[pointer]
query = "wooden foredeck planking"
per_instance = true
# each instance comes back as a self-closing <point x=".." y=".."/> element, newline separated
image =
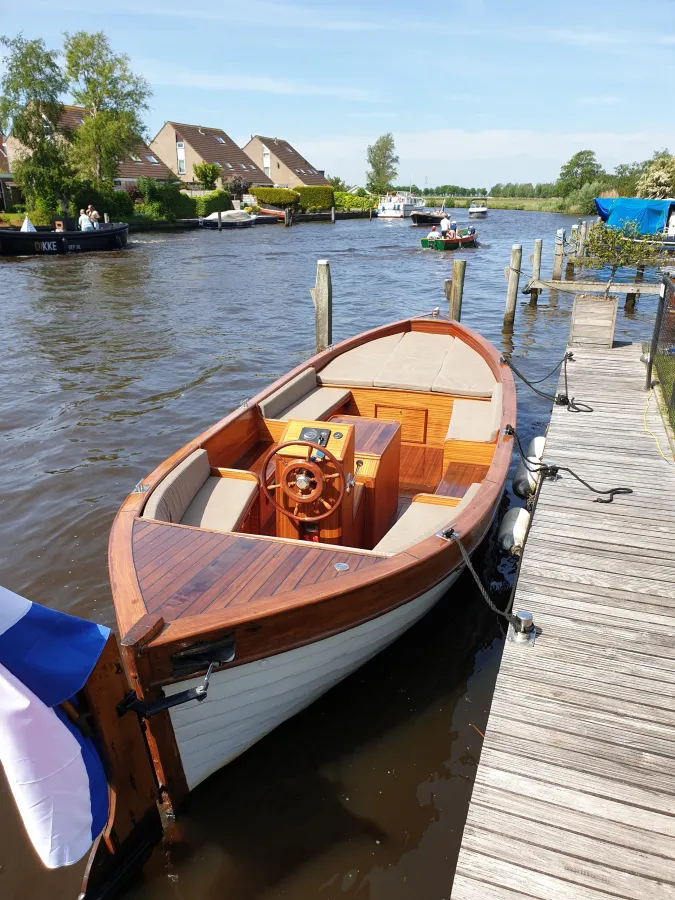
<point x="575" y="791"/>
<point x="184" y="571"/>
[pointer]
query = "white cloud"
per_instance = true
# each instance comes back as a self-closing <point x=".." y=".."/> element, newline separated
<point x="159" y="73"/>
<point x="481" y="158"/>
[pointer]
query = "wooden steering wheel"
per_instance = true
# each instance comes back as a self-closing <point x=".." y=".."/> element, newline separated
<point x="304" y="481"/>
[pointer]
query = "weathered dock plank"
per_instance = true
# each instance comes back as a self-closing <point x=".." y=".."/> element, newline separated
<point x="574" y="796"/>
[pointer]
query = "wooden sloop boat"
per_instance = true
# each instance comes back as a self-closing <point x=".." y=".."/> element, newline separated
<point x="428" y="217"/>
<point x="468" y="240"/>
<point x="298" y="536"/>
<point x="47" y="242"/>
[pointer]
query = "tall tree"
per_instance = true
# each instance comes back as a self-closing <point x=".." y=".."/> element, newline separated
<point x="383" y="161"/>
<point x="337" y="182"/>
<point x="581" y="169"/>
<point x="207" y="174"/>
<point x="30" y="110"/>
<point x="658" y="181"/>
<point x="114" y="99"/>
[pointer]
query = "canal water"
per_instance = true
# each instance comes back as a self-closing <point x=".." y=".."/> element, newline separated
<point x="108" y="364"/>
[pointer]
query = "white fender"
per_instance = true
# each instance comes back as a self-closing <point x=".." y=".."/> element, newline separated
<point x="513" y="529"/>
<point x="537" y="446"/>
<point x="525" y="481"/>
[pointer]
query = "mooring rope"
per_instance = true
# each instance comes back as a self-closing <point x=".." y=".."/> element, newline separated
<point x="551" y="471"/>
<point x="558" y="399"/>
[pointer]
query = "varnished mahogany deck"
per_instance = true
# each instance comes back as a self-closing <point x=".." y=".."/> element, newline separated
<point x="421" y="468"/>
<point x="186" y="571"/>
<point x="458" y="478"/>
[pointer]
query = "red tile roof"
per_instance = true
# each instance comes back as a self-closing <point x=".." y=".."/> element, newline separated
<point x="297" y="163"/>
<point x="138" y="164"/>
<point x="214" y="146"/>
<point x="4" y="163"/>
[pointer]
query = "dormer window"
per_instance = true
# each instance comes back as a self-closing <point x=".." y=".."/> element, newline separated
<point x="243" y="165"/>
<point x="152" y="159"/>
<point x="220" y="140"/>
<point x="135" y="157"/>
<point x="229" y="165"/>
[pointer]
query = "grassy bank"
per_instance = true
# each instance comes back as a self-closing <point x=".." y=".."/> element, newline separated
<point x="531" y="204"/>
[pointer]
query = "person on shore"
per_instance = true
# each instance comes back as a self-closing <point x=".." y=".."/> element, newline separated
<point x="84" y="222"/>
<point x="93" y="215"/>
<point x="433" y="234"/>
<point x="445" y="226"/>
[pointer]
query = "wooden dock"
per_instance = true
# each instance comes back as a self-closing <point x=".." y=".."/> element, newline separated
<point x="574" y="796"/>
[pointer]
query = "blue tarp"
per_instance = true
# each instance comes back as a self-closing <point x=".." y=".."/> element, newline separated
<point x="649" y="216"/>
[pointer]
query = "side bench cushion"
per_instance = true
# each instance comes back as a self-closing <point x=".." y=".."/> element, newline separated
<point x="476" y="420"/>
<point x="315" y="405"/>
<point x="358" y="367"/>
<point x="288" y="394"/>
<point x="415" y="363"/>
<point x="464" y="372"/>
<point x="220" y="503"/>
<point x="419" y="521"/>
<point x="173" y="495"/>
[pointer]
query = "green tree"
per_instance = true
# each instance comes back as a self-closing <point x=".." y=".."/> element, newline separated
<point x="383" y="161"/>
<point x="337" y="183"/>
<point x="31" y="110"/>
<point x="658" y="181"/>
<point x="237" y="186"/>
<point x="114" y="99"/>
<point x="581" y="169"/>
<point x="207" y="174"/>
<point x="619" y="248"/>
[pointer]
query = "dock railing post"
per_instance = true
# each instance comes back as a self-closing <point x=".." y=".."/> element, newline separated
<point x="559" y="254"/>
<point x="322" y="295"/>
<point x="512" y="288"/>
<point x="657" y="330"/>
<point x="536" y="270"/>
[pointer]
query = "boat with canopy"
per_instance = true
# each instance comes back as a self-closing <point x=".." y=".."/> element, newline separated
<point x="290" y="542"/>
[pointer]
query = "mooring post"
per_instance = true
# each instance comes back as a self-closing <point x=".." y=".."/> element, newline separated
<point x="512" y="288"/>
<point x="288" y="217"/>
<point x="457" y="288"/>
<point x="583" y="237"/>
<point x="559" y="255"/>
<point x="370" y="213"/>
<point x="536" y="270"/>
<point x="332" y="214"/>
<point x="322" y="296"/>
<point x="631" y="299"/>
<point x="220" y="221"/>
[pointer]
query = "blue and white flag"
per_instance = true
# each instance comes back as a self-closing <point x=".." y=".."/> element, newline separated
<point x="55" y="774"/>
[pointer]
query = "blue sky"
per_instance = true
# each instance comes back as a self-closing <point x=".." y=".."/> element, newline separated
<point x="474" y="93"/>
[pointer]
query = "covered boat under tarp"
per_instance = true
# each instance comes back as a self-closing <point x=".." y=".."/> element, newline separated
<point x="649" y="216"/>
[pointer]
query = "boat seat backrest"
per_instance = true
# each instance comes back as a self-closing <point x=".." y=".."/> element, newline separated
<point x="476" y="420"/>
<point x="421" y="520"/>
<point x="288" y="394"/>
<point x="173" y="494"/>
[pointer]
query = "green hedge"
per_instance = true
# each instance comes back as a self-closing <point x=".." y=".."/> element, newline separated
<point x="275" y="197"/>
<point x="218" y="201"/>
<point x="118" y="204"/>
<point x="314" y="198"/>
<point x="347" y="201"/>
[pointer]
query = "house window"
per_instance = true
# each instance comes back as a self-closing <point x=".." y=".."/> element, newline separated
<point x="181" y="167"/>
<point x="220" y="140"/>
<point x="80" y="120"/>
<point x="220" y="165"/>
<point x="136" y="158"/>
<point x="180" y="145"/>
<point x="243" y="165"/>
<point x="229" y="165"/>
<point x="152" y="159"/>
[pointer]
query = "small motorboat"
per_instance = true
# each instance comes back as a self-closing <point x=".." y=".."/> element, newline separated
<point x="287" y="544"/>
<point x="478" y="208"/>
<point x="428" y="217"/>
<point x="233" y="218"/>
<point x="399" y="205"/>
<point x="466" y="237"/>
<point x="47" y="242"/>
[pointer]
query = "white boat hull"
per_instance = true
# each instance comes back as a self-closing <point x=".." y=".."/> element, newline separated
<point x="245" y="703"/>
<point x="404" y="211"/>
<point x="477" y="213"/>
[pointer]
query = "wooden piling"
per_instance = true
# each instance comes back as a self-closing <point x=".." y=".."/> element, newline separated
<point x="220" y="221"/>
<point x="457" y="289"/>
<point x="559" y="254"/>
<point x="536" y="269"/>
<point x="332" y="214"/>
<point x="631" y="299"/>
<point x="583" y="238"/>
<point x="288" y="217"/>
<point x="322" y="296"/>
<point x="512" y="288"/>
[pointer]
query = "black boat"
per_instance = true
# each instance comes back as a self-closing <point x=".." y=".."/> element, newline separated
<point x="47" y="242"/>
<point x="430" y="217"/>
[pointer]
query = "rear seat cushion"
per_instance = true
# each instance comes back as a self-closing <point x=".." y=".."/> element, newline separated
<point x="476" y="420"/>
<point x="420" y="521"/>
<point x="220" y="503"/>
<point x="173" y="495"/>
<point x="465" y="373"/>
<point x="415" y="363"/>
<point x="317" y="404"/>
<point x="288" y="394"/>
<point x="358" y="367"/>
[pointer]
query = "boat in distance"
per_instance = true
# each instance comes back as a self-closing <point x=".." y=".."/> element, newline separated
<point x="47" y="242"/>
<point x="399" y="205"/>
<point x="233" y="218"/>
<point x="478" y="208"/>
<point x="287" y="544"/>
<point x="427" y="217"/>
<point x="462" y="240"/>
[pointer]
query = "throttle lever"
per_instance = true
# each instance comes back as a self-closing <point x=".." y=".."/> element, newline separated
<point x="351" y="479"/>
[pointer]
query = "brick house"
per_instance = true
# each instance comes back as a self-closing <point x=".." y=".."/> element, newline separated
<point x="282" y="163"/>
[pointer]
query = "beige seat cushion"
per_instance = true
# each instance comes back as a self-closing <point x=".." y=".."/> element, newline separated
<point x="220" y="503"/>
<point x="315" y="405"/>
<point x="415" y="363"/>
<point x="173" y="495"/>
<point x="464" y="373"/>
<point x="476" y="420"/>
<point x="290" y="393"/>
<point x="358" y="367"/>
<point x="420" y="521"/>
